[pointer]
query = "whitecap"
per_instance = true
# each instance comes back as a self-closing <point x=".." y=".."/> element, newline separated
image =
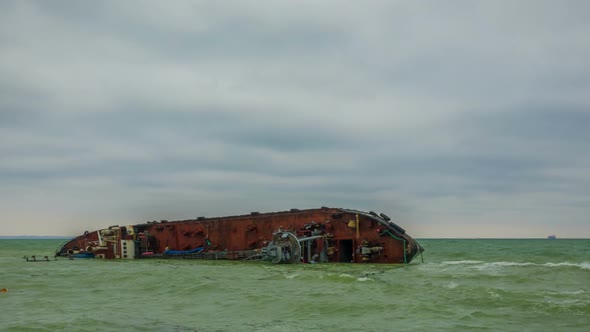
<point x="493" y="294"/>
<point x="496" y="265"/>
<point x="364" y="279"/>
<point x="452" y="285"/>
<point x="584" y="266"/>
<point x="566" y="302"/>
<point x="578" y="292"/>
<point x="464" y="262"/>
<point x="512" y="264"/>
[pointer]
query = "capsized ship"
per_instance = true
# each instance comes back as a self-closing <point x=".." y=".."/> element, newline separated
<point x="323" y="235"/>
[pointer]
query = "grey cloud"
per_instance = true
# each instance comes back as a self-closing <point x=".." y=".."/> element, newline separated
<point x="457" y="112"/>
<point x="542" y="122"/>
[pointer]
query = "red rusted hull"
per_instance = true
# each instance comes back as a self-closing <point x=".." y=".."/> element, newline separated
<point x="343" y="235"/>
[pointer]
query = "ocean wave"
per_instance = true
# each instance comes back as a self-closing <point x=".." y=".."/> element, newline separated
<point x="364" y="279"/>
<point x="578" y="292"/>
<point x="566" y="302"/>
<point x="464" y="262"/>
<point x="502" y="264"/>
<point x="483" y="265"/>
<point x="452" y="285"/>
<point x="584" y="266"/>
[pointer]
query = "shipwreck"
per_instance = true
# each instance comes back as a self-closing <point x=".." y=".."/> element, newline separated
<point x="324" y="235"/>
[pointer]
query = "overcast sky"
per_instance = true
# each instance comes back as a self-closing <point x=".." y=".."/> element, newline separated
<point x="455" y="118"/>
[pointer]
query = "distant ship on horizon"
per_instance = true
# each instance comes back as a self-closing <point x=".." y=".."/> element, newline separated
<point x="552" y="237"/>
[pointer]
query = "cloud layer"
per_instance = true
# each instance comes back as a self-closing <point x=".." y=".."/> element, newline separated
<point x="461" y="119"/>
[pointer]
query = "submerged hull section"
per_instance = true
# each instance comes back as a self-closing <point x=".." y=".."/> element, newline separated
<point x="318" y="235"/>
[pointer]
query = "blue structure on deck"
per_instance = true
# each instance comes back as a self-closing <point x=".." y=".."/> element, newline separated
<point x="84" y="255"/>
<point x="183" y="252"/>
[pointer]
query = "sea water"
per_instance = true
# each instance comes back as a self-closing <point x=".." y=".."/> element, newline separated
<point x="462" y="285"/>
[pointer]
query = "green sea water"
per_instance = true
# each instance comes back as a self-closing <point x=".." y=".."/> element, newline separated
<point x="463" y="285"/>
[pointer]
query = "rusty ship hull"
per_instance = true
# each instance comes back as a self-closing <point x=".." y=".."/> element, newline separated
<point x="324" y="235"/>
